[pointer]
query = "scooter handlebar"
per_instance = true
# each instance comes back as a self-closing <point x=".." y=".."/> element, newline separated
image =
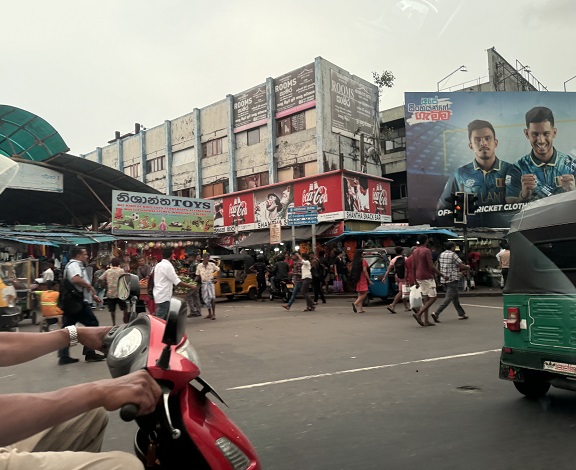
<point x="129" y="411"/>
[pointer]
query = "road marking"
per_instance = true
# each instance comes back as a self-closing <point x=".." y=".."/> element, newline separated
<point x="364" y="369"/>
<point x="481" y="306"/>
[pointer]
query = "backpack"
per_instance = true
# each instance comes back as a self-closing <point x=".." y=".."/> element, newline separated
<point x="400" y="267"/>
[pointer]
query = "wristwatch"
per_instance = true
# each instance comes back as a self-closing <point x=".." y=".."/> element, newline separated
<point x="73" y="332"/>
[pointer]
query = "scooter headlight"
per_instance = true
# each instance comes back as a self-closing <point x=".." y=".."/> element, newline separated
<point x="188" y="351"/>
<point x="128" y="343"/>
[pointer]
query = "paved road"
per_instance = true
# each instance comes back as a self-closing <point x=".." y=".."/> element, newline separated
<point x="337" y="390"/>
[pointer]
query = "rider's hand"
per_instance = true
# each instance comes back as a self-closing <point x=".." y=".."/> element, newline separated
<point x="138" y="388"/>
<point x="92" y="337"/>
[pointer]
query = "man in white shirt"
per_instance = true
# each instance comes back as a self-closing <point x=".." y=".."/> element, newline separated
<point x="165" y="278"/>
<point x="206" y="270"/>
<point x="48" y="275"/>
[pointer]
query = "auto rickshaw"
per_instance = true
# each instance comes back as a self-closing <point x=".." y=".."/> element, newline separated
<point x="539" y="347"/>
<point x="9" y="310"/>
<point x="377" y="259"/>
<point x="235" y="278"/>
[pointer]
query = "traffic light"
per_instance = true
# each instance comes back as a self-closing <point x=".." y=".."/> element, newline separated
<point x="459" y="207"/>
<point x="472" y="205"/>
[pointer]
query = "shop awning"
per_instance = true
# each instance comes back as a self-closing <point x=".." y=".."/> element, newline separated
<point x="56" y="238"/>
<point x="394" y="231"/>
<point x="25" y="135"/>
<point x="262" y="237"/>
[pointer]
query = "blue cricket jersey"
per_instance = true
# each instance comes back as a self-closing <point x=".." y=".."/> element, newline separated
<point x="547" y="174"/>
<point x="489" y="186"/>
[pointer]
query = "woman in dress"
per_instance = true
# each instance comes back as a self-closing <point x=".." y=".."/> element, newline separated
<point x="361" y="278"/>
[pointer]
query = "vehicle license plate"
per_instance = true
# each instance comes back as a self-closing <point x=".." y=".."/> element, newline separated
<point x="560" y="367"/>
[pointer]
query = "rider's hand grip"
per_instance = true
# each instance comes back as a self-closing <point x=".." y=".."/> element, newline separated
<point x="128" y="412"/>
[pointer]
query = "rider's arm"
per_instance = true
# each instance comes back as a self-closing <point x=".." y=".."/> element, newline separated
<point x="19" y="347"/>
<point x="30" y="413"/>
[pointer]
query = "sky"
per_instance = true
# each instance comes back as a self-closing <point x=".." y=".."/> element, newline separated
<point x="93" y="68"/>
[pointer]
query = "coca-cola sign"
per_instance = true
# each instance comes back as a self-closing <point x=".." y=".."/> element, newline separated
<point x="379" y="198"/>
<point x="315" y="195"/>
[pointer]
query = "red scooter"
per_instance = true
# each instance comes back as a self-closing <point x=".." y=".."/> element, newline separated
<point x="186" y="430"/>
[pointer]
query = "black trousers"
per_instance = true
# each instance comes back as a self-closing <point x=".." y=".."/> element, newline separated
<point x="317" y="287"/>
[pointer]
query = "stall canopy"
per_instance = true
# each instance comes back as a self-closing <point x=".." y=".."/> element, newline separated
<point x="389" y="231"/>
<point x="301" y="233"/>
<point x="27" y="136"/>
<point x="59" y="238"/>
<point x="87" y="194"/>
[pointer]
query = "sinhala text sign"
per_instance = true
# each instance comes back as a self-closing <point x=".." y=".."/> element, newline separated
<point x="159" y="215"/>
<point x="479" y="143"/>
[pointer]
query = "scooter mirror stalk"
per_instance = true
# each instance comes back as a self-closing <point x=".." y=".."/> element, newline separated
<point x="175" y="323"/>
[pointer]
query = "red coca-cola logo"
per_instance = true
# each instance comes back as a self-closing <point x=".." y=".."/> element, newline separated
<point x="315" y="196"/>
<point x="238" y="210"/>
<point x="380" y="196"/>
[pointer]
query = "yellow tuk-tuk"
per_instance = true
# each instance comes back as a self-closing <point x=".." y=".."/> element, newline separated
<point x="235" y="278"/>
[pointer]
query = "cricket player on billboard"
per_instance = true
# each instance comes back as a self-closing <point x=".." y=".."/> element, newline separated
<point x="476" y="142"/>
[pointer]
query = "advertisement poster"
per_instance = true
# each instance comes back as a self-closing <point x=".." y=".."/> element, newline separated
<point x="481" y="143"/>
<point x="323" y="192"/>
<point x="295" y="91"/>
<point x="366" y="198"/>
<point x="159" y="215"/>
<point x="275" y="234"/>
<point x="271" y="205"/>
<point x="353" y="105"/>
<point x="250" y="108"/>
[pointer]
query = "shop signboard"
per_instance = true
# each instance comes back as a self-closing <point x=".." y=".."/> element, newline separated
<point x="295" y="91"/>
<point x="353" y="105"/>
<point x="275" y="234"/>
<point x="37" y="178"/>
<point x="159" y="215"/>
<point x="478" y="143"/>
<point x="271" y="205"/>
<point x="250" y="108"/>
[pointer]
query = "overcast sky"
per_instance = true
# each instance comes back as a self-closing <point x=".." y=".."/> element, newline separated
<point x="91" y="68"/>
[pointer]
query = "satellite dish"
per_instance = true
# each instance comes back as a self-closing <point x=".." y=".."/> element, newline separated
<point x="8" y="170"/>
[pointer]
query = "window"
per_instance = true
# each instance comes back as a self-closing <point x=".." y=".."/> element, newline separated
<point x="299" y="170"/>
<point x="133" y="170"/>
<point x="212" y="147"/>
<point x="399" y="191"/>
<point x="252" y="181"/>
<point x="215" y="189"/>
<point x="254" y="136"/>
<point x="156" y="164"/>
<point x="188" y="192"/>
<point x="291" y="124"/>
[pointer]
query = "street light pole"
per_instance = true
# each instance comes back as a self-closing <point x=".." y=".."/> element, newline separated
<point x="568" y="81"/>
<point x="462" y="68"/>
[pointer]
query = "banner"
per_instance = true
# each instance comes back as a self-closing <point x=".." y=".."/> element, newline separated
<point x="353" y="105"/>
<point x="366" y="198"/>
<point x="275" y="234"/>
<point x="295" y="91"/>
<point x="480" y="143"/>
<point x="160" y="215"/>
<point x="250" y="108"/>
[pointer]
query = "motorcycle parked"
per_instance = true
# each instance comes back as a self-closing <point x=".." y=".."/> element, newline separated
<point x="281" y="289"/>
<point x="187" y="430"/>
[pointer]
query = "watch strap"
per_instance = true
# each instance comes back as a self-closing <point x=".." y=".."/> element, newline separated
<point x="73" y="332"/>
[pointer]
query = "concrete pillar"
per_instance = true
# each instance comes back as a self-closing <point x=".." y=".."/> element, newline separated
<point x="198" y="148"/>
<point x="232" y="185"/>
<point x="120" y="163"/>
<point x="320" y="118"/>
<point x="271" y="127"/>
<point x="99" y="155"/>
<point x="143" y="155"/>
<point x="168" y="146"/>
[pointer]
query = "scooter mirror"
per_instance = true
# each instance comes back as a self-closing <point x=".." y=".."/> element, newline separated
<point x="175" y="323"/>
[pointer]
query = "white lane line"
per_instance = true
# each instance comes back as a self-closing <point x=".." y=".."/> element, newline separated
<point x="364" y="369"/>
<point x="482" y="306"/>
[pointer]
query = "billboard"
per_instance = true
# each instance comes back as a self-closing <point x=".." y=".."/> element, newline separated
<point x="337" y="195"/>
<point x="479" y="143"/>
<point x="250" y="108"/>
<point x="158" y="215"/>
<point x="353" y="105"/>
<point x="295" y="91"/>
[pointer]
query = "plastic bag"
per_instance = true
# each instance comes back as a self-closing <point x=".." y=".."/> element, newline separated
<point x="338" y="286"/>
<point x="415" y="297"/>
<point x="405" y="291"/>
